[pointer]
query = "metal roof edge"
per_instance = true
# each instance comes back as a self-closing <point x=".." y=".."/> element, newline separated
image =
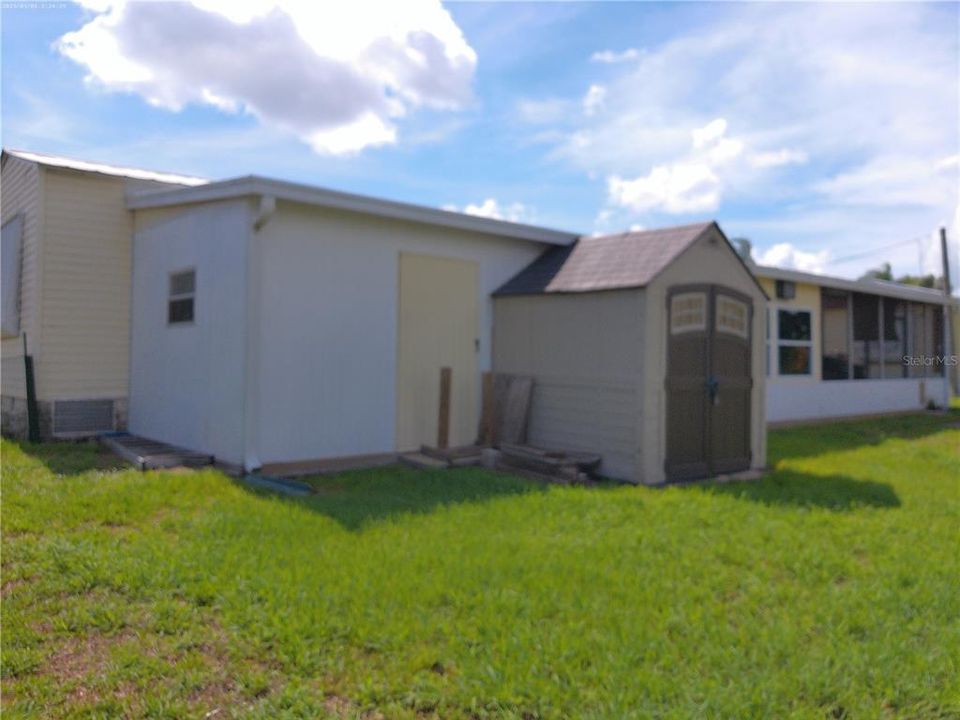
<point x="311" y="195"/>
<point x="873" y="287"/>
<point x="63" y="163"/>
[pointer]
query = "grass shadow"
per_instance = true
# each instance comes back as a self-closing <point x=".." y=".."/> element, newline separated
<point x="788" y="487"/>
<point x="811" y="440"/>
<point x="359" y="498"/>
<point x="71" y="458"/>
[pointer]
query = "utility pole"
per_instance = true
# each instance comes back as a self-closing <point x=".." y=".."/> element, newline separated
<point x="950" y="370"/>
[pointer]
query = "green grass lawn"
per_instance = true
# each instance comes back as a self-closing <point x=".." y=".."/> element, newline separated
<point x="829" y="589"/>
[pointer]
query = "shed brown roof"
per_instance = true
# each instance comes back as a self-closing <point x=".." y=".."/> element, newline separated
<point x="606" y="262"/>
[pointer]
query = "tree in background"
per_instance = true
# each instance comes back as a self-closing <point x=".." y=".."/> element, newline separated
<point x="884" y="272"/>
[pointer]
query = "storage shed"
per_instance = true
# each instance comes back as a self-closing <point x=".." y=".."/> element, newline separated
<point x="646" y="347"/>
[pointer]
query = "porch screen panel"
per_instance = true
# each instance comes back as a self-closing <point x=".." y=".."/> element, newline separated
<point x="934" y="346"/>
<point x="866" y="336"/>
<point x="894" y="338"/>
<point x="918" y="343"/>
<point x="835" y="326"/>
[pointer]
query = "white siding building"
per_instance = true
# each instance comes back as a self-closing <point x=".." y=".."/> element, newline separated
<point x="66" y="273"/>
<point x="841" y="347"/>
<point x="319" y="320"/>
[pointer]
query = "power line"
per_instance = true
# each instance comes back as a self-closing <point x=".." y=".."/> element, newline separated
<point x="868" y="253"/>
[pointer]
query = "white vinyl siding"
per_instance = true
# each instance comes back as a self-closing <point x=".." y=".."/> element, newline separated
<point x="329" y="328"/>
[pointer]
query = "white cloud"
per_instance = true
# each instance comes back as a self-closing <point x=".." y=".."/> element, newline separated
<point x="709" y="133"/>
<point x="948" y="162"/>
<point x="785" y="255"/>
<point x="339" y="76"/>
<point x="677" y="188"/>
<point x="894" y="179"/>
<point x="686" y="185"/>
<point x="545" y="111"/>
<point x="490" y="208"/>
<point x="725" y="150"/>
<point x="778" y="158"/>
<point x="611" y="56"/>
<point x="846" y="117"/>
<point x="594" y="99"/>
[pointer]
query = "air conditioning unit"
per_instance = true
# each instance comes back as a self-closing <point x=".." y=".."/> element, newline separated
<point x="786" y="289"/>
<point x="78" y="418"/>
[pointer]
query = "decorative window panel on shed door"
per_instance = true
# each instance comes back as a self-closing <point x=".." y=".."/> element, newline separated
<point x="438" y="327"/>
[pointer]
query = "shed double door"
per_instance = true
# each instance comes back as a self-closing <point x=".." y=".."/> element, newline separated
<point x="708" y="382"/>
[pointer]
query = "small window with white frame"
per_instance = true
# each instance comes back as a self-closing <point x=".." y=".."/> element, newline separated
<point x="732" y="316"/>
<point x="688" y="312"/>
<point x="183" y="284"/>
<point x="794" y="342"/>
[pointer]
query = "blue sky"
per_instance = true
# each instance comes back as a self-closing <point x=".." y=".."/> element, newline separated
<point x="820" y="132"/>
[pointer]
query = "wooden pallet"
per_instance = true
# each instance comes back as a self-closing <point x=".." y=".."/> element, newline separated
<point x="562" y="466"/>
<point x="432" y="458"/>
<point x="149" y="454"/>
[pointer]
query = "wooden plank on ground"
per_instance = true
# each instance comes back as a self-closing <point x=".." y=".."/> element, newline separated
<point x="443" y="421"/>
<point x="485" y="438"/>
<point x="423" y="462"/>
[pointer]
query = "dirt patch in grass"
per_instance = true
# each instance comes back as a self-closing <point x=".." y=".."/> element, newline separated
<point x="10" y="586"/>
<point x="217" y="699"/>
<point x="78" y="656"/>
<point x="342" y="707"/>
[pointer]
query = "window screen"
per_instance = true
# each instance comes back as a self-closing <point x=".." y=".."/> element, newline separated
<point x="894" y="338"/>
<point x="835" y="327"/>
<point x="918" y="341"/>
<point x="866" y="336"/>
<point x="934" y="336"/>
<point x="12" y="235"/>
<point x="182" y="290"/>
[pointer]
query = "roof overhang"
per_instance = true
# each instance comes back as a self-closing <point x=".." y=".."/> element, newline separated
<point x="253" y="186"/>
<point x="872" y="287"/>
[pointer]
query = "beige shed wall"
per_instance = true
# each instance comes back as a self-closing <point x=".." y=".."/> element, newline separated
<point x="22" y="192"/>
<point x="584" y="353"/>
<point x="709" y="260"/>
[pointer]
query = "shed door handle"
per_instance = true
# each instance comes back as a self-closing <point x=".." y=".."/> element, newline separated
<point x="713" y="389"/>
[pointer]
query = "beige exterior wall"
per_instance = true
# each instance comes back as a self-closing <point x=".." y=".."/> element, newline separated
<point x="86" y="280"/>
<point x="584" y="353"/>
<point x="807" y="298"/>
<point x="710" y="260"/>
<point x="75" y="287"/>
<point x="22" y="193"/>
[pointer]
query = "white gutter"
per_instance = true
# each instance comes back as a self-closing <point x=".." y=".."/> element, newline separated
<point x="267" y="205"/>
